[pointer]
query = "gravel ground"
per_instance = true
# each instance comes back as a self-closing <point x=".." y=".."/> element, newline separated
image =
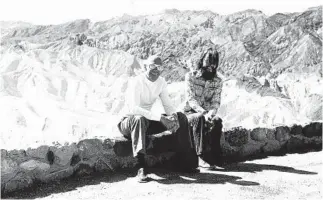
<point x="293" y="176"/>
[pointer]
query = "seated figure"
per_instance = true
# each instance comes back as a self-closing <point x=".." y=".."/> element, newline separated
<point x="139" y="121"/>
<point x="203" y="90"/>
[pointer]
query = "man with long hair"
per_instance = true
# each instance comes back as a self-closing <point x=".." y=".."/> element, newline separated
<point x="203" y="98"/>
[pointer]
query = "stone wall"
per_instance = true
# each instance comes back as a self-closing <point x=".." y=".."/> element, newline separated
<point x="22" y="168"/>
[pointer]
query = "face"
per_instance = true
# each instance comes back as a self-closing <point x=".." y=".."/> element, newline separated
<point x="208" y="68"/>
<point x="154" y="71"/>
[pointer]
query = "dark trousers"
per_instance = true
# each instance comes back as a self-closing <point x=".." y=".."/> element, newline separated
<point x="207" y="136"/>
<point x="137" y="127"/>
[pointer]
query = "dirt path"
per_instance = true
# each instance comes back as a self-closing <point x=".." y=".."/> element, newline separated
<point x="294" y="176"/>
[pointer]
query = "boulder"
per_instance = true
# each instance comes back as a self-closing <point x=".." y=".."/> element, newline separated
<point x="313" y="143"/>
<point x="90" y="148"/>
<point x="253" y="148"/>
<point x="40" y="152"/>
<point x="313" y="129"/>
<point x="237" y="136"/>
<point x="84" y="168"/>
<point x="107" y="164"/>
<point x="271" y="134"/>
<point x="296" y="143"/>
<point x="9" y="169"/>
<point x="271" y="147"/>
<point x="259" y="134"/>
<point x="20" y="181"/>
<point x="57" y="175"/>
<point x="18" y="155"/>
<point x="4" y="153"/>
<point x="121" y="146"/>
<point x="296" y="130"/>
<point x="63" y="155"/>
<point x="34" y="164"/>
<point x="282" y="133"/>
<point x="229" y="151"/>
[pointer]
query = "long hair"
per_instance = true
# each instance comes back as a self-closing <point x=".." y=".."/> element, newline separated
<point x="210" y="57"/>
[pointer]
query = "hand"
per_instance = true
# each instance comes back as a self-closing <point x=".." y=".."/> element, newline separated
<point x="208" y="116"/>
<point x="169" y="122"/>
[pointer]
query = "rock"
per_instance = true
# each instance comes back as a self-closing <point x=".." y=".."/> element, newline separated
<point x="313" y="129"/>
<point x="35" y="164"/>
<point x="252" y="148"/>
<point x="121" y="147"/>
<point x="313" y="143"/>
<point x="271" y="134"/>
<point x="58" y="175"/>
<point x="18" y="155"/>
<point x="83" y="168"/>
<point x="75" y="159"/>
<point x="296" y="130"/>
<point x="259" y="134"/>
<point x="296" y="143"/>
<point x="4" y="153"/>
<point x="229" y="151"/>
<point x="64" y="154"/>
<point x="282" y="133"/>
<point x="271" y="147"/>
<point x="89" y="148"/>
<point x="9" y="169"/>
<point x="40" y="152"/>
<point x="20" y="181"/>
<point x="101" y="166"/>
<point x="105" y="164"/>
<point x="237" y="136"/>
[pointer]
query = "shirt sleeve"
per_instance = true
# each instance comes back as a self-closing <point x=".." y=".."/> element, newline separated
<point x="134" y="103"/>
<point x="216" y="100"/>
<point x="167" y="103"/>
<point x="189" y="88"/>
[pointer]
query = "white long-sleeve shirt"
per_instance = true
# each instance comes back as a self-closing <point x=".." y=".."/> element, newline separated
<point x="144" y="93"/>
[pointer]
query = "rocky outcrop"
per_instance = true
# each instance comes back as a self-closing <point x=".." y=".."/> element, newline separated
<point x="240" y="144"/>
<point x="22" y="168"/>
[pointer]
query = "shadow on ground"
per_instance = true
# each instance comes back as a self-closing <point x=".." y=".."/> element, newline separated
<point x="164" y="177"/>
<point x="253" y="168"/>
<point x="199" y="178"/>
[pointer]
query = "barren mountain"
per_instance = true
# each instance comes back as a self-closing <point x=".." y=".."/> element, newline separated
<point x="67" y="82"/>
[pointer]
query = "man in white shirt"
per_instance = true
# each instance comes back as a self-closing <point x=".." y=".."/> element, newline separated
<point x="140" y="121"/>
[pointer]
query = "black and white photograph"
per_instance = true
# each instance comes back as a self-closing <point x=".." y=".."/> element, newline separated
<point x="161" y="99"/>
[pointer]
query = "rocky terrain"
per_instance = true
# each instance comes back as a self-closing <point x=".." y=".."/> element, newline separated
<point x="68" y="82"/>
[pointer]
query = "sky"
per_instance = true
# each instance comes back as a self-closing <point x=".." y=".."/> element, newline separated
<point x="60" y="11"/>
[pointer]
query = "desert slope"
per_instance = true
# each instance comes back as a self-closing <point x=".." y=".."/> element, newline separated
<point x="67" y="82"/>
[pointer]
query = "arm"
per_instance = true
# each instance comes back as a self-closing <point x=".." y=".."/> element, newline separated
<point x="134" y="103"/>
<point x="216" y="99"/>
<point x="190" y="97"/>
<point x="167" y="103"/>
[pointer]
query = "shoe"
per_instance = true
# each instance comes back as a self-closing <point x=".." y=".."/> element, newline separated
<point x="203" y="164"/>
<point x="215" y="167"/>
<point x="142" y="176"/>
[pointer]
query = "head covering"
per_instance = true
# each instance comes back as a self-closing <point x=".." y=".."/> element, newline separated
<point x="154" y="59"/>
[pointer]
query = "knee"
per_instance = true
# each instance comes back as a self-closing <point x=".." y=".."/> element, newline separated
<point x="217" y="123"/>
<point x="138" y="119"/>
<point x="217" y="120"/>
<point x="182" y="118"/>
